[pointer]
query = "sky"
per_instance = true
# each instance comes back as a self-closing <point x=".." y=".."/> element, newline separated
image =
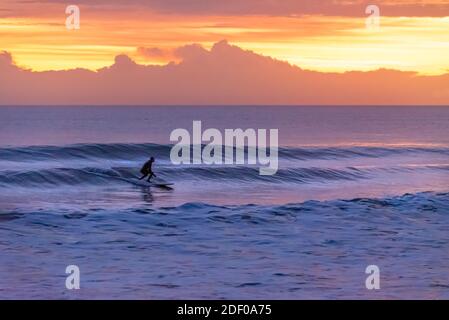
<point x="325" y="37"/>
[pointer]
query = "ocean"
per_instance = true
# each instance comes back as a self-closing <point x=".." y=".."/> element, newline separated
<point x="356" y="186"/>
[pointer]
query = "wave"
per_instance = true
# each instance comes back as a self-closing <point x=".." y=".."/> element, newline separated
<point x="124" y="151"/>
<point x="241" y="174"/>
<point x="79" y="165"/>
<point x="84" y="151"/>
<point x="98" y="176"/>
<point x="408" y="204"/>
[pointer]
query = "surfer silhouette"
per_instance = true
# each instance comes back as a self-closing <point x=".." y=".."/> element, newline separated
<point x="147" y="170"/>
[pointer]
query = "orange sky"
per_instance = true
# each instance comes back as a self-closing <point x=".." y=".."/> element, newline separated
<point x="328" y="35"/>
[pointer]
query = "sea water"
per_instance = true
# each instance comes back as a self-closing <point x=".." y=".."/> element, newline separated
<point x="356" y="186"/>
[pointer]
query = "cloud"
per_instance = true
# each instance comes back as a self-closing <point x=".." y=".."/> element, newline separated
<point x="154" y="52"/>
<point x="7" y="65"/>
<point x="158" y="55"/>
<point x="225" y="74"/>
<point x="274" y="7"/>
<point x="191" y="52"/>
<point x="122" y="61"/>
<point x="185" y="53"/>
<point x="5" y="58"/>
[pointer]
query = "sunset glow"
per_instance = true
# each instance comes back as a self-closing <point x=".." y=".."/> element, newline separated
<point x="37" y="39"/>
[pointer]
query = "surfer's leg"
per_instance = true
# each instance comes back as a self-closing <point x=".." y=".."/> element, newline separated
<point x="143" y="176"/>
<point x="151" y="175"/>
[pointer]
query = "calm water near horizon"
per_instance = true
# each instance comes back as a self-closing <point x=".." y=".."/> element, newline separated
<point x="298" y="126"/>
<point x="356" y="186"/>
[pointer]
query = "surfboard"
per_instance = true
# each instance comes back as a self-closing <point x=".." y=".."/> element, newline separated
<point x="137" y="182"/>
<point x="162" y="185"/>
<point x="144" y="183"/>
